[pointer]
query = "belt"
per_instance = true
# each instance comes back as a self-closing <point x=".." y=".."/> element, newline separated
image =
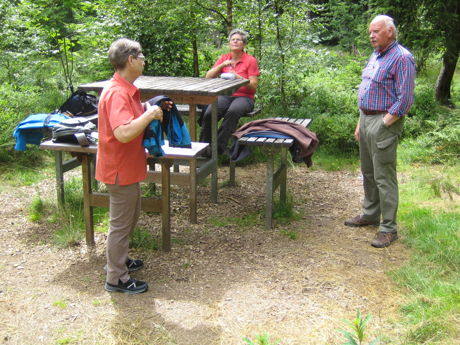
<point x="372" y="112"/>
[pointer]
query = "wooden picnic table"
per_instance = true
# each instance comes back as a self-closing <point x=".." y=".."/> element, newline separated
<point x="95" y="199"/>
<point x="274" y="179"/>
<point x="192" y="91"/>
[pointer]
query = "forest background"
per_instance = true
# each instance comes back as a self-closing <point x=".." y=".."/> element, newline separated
<point x="310" y="53"/>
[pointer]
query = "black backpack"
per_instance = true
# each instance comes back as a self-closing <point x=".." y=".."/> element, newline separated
<point x="76" y="130"/>
<point x="80" y="104"/>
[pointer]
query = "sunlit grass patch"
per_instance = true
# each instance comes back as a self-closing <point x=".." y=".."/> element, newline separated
<point x="246" y="220"/>
<point x="430" y="225"/>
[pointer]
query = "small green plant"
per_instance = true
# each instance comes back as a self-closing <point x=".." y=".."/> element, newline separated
<point x="60" y="304"/>
<point x="36" y="209"/>
<point x="284" y="211"/>
<point x="358" y="330"/>
<point x="143" y="238"/>
<point x="292" y="235"/>
<point x="261" y="339"/>
<point x="242" y="222"/>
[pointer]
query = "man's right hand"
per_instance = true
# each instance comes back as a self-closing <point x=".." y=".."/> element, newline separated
<point x="357" y="132"/>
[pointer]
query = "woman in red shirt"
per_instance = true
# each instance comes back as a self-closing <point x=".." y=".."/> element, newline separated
<point x="236" y="64"/>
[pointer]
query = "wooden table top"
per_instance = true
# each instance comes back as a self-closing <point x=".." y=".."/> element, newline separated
<point x="170" y="152"/>
<point x="178" y="85"/>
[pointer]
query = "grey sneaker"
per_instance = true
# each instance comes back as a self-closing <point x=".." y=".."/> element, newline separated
<point x="133" y="265"/>
<point x="132" y="286"/>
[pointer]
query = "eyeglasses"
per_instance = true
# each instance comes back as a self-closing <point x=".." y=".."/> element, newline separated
<point x="140" y="57"/>
<point x="236" y="39"/>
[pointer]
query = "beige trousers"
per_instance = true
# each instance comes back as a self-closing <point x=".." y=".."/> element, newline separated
<point x="125" y="206"/>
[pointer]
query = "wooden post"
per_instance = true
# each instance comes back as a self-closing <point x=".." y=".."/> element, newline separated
<point x="269" y="190"/>
<point x="214" y="152"/>
<point x="165" y="205"/>
<point x="87" y="190"/>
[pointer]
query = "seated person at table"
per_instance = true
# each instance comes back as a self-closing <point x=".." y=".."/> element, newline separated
<point x="121" y="159"/>
<point x="233" y="65"/>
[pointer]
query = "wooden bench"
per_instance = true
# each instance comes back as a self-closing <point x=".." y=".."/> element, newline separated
<point x="274" y="179"/>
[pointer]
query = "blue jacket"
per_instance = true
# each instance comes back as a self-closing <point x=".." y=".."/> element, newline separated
<point x="34" y="127"/>
<point x="173" y="125"/>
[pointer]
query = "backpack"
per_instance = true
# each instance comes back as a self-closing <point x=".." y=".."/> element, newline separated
<point x="79" y="104"/>
<point x="75" y="130"/>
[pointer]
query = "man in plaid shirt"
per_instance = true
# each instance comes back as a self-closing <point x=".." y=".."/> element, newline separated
<point x="385" y="96"/>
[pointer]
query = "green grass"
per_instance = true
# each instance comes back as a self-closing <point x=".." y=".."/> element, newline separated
<point x="332" y="160"/>
<point x="430" y="223"/>
<point x="24" y="168"/>
<point x="36" y="207"/>
<point x="245" y="221"/>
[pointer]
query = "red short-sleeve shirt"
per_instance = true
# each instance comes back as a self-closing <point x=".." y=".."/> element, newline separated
<point x="246" y="67"/>
<point x="119" y="104"/>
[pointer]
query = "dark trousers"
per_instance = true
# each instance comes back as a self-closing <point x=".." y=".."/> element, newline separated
<point x="230" y="109"/>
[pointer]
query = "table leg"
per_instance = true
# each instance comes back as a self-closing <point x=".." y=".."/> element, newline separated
<point x="59" y="177"/>
<point x="283" y="188"/>
<point x="193" y="195"/>
<point x="165" y="205"/>
<point x="269" y="191"/>
<point x="192" y="121"/>
<point x="87" y="191"/>
<point x="232" y="174"/>
<point x="214" y="151"/>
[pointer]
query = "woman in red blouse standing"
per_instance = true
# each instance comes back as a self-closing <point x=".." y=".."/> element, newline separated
<point x="236" y="64"/>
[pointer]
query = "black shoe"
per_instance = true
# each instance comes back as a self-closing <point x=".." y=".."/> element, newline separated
<point x="133" y="265"/>
<point x="132" y="286"/>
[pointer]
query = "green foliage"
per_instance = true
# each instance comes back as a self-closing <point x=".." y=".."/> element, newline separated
<point x="440" y="141"/>
<point x="36" y="210"/>
<point x="284" y="212"/>
<point x="431" y="277"/>
<point x="261" y="339"/>
<point x="242" y="222"/>
<point x="358" y="330"/>
<point x="144" y="239"/>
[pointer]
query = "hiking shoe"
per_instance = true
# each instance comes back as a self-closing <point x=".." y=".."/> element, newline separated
<point x="360" y="221"/>
<point x="132" y="286"/>
<point x="384" y="239"/>
<point x="133" y="265"/>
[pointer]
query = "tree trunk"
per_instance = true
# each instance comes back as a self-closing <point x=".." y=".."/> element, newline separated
<point x="445" y="78"/>
<point x="449" y="59"/>
<point x="229" y="16"/>
<point x="196" y="67"/>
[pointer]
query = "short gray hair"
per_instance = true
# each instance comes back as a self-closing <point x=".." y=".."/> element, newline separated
<point x="121" y="49"/>
<point x="389" y="23"/>
<point x="244" y="35"/>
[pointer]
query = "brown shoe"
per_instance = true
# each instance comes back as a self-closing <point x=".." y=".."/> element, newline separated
<point x="359" y="221"/>
<point x="384" y="239"/>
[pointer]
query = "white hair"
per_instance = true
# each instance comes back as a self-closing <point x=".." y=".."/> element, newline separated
<point x="389" y="23"/>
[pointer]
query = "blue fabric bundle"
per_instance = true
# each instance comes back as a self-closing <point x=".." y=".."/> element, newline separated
<point x="34" y="127"/>
<point x="173" y="125"/>
<point x="153" y="139"/>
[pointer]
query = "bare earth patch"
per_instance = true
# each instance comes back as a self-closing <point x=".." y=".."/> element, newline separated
<point x="218" y="284"/>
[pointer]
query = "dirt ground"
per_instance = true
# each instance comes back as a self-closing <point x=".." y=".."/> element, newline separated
<point x="219" y="283"/>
